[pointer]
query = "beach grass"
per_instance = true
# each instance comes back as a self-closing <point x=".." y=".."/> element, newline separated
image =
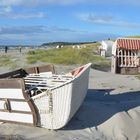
<point x="138" y="76"/>
<point x="5" y="61"/>
<point x="65" y="56"/>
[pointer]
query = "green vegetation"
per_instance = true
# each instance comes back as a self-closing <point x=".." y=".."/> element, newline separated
<point x="138" y="76"/>
<point x="134" y="36"/>
<point x="68" y="56"/>
<point x="5" y="61"/>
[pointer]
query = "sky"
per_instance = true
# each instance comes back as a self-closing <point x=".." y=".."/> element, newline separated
<point x="33" y="22"/>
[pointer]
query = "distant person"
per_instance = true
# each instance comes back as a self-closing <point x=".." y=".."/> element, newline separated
<point x="6" y="49"/>
<point x="20" y="49"/>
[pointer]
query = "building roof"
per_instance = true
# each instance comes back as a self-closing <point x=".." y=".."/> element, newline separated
<point x="128" y="43"/>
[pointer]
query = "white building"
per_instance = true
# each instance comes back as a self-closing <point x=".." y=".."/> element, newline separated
<point x="106" y="48"/>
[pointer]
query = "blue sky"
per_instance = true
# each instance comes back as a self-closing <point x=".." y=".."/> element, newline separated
<point x="39" y="21"/>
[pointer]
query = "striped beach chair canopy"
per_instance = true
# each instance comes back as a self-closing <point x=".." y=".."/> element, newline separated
<point x="128" y="43"/>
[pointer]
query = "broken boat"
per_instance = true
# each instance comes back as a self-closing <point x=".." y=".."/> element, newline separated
<point x="39" y="97"/>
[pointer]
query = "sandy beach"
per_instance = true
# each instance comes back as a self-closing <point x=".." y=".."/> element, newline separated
<point x="110" y="111"/>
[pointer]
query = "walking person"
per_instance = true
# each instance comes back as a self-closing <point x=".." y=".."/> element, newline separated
<point x="6" y="49"/>
<point x="20" y="49"/>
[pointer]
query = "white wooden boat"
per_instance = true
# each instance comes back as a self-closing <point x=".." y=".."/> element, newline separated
<point x="42" y="99"/>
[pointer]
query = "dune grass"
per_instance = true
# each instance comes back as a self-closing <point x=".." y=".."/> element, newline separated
<point x="135" y="36"/>
<point x="5" y="61"/>
<point x="138" y="76"/>
<point x="65" y="56"/>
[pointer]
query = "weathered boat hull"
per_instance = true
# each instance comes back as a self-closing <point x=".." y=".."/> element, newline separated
<point x="52" y="108"/>
<point x="57" y="107"/>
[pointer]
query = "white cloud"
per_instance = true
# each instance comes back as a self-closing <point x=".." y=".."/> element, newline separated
<point x="95" y="18"/>
<point x="9" y="12"/>
<point x="37" y="2"/>
<point x="14" y="2"/>
<point x="22" y="15"/>
<point x="27" y="16"/>
<point x="31" y="3"/>
<point x="5" y="9"/>
<point x="22" y="29"/>
<point x="101" y="19"/>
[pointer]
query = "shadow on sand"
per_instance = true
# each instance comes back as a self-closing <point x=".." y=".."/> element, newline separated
<point x="100" y="105"/>
<point x="105" y="68"/>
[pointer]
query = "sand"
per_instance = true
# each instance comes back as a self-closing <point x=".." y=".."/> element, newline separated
<point x="110" y="111"/>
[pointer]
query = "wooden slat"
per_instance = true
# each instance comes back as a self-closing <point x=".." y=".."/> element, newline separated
<point x="11" y="83"/>
<point x="40" y="69"/>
